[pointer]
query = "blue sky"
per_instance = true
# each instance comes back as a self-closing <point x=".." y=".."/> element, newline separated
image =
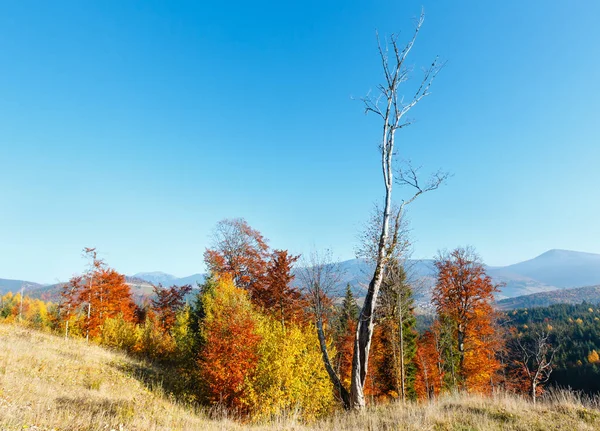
<point x="135" y="126"/>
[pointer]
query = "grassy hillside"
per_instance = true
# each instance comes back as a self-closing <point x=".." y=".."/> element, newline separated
<point x="47" y="383"/>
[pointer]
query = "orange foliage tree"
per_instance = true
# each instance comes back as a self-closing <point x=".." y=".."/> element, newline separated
<point x="430" y="364"/>
<point x="378" y="383"/>
<point x="243" y="253"/>
<point x="101" y="293"/>
<point x="240" y="251"/>
<point x="463" y="295"/>
<point x="230" y="351"/>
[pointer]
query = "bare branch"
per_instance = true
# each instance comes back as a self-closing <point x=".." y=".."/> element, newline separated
<point x="319" y="277"/>
<point x="390" y="106"/>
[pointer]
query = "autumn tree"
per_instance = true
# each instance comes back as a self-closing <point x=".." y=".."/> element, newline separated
<point x="229" y="355"/>
<point x="463" y="295"/>
<point x="238" y="250"/>
<point x="167" y="302"/>
<point x="436" y="359"/>
<point x="429" y="376"/>
<point x="27" y="311"/>
<point x="277" y="295"/>
<point x="288" y="375"/>
<point x="101" y="293"/>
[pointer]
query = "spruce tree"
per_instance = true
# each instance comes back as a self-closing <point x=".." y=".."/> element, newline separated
<point x="398" y="319"/>
<point x="349" y="311"/>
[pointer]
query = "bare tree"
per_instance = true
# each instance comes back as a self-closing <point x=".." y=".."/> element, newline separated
<point x="395" y="308"/>
<point x="320" y="278"/>
<point x="392" y="108"/>
<point x="91" y="254"/>
<point x="533" y="356"/>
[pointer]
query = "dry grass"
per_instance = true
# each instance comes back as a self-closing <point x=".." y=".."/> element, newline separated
<point x="470" y="412"/>
<point x="47" y="383"/>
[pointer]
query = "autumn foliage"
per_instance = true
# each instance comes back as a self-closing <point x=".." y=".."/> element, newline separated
<point x="430" y="364"/>
<point x="231" y="337"/>
<point x="240" y="251"/>
<point x="247" y="342"/>
<point x="101" y="293"/>
<point x="167" y="302"/>
<point x="463" y="298"/>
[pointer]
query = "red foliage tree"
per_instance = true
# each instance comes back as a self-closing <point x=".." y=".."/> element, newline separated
<point x="168" y="301"/>
<point x="276" y="295"/>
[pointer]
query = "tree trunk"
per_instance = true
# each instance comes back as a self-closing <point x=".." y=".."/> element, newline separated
<point x="343" y="393"/>
<point x="461" y="354"/>
<point x="362" y="342"/>
<point x="402" y="370"/>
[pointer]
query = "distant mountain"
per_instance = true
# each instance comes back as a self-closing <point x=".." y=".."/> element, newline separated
<point x="555" y="269"/>
<point x="559" y="268"/>
<point x="140" y="289"/>
<point x="549" y="272"/>
<point x="575" y="295"/>
<point x="168" y="279"/>
<point x="16" y="285"/>
<point x="156" y="277"/>
<point x="357" y="273"/>
<point x="194" y="280"/>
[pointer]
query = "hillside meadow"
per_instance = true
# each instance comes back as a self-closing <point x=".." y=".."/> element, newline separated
<point x="49" y="383"/>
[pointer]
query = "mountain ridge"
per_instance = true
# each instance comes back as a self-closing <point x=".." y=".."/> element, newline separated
<point x="552" y="270"/>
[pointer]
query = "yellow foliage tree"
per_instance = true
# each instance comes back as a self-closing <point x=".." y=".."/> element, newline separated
<point x="593" y="357"/>
<point x="120" y="334"/>
<point x="183" y="335"/>
<point x="289" y="374"/>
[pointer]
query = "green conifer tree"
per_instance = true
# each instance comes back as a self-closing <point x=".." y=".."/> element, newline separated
<point x="349" y="311"/>
<point x="400" y="335"/>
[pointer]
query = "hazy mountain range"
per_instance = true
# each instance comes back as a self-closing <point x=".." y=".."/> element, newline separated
<point x="573" y="295"/>
<point x="551" y="271"/>
<point x="165" y="279"/>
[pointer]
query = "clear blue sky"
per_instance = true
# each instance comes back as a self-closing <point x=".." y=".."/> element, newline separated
<point x="135" y="126"/>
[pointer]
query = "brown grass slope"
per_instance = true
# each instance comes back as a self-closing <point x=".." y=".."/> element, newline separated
<point x="48" y="383"/>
